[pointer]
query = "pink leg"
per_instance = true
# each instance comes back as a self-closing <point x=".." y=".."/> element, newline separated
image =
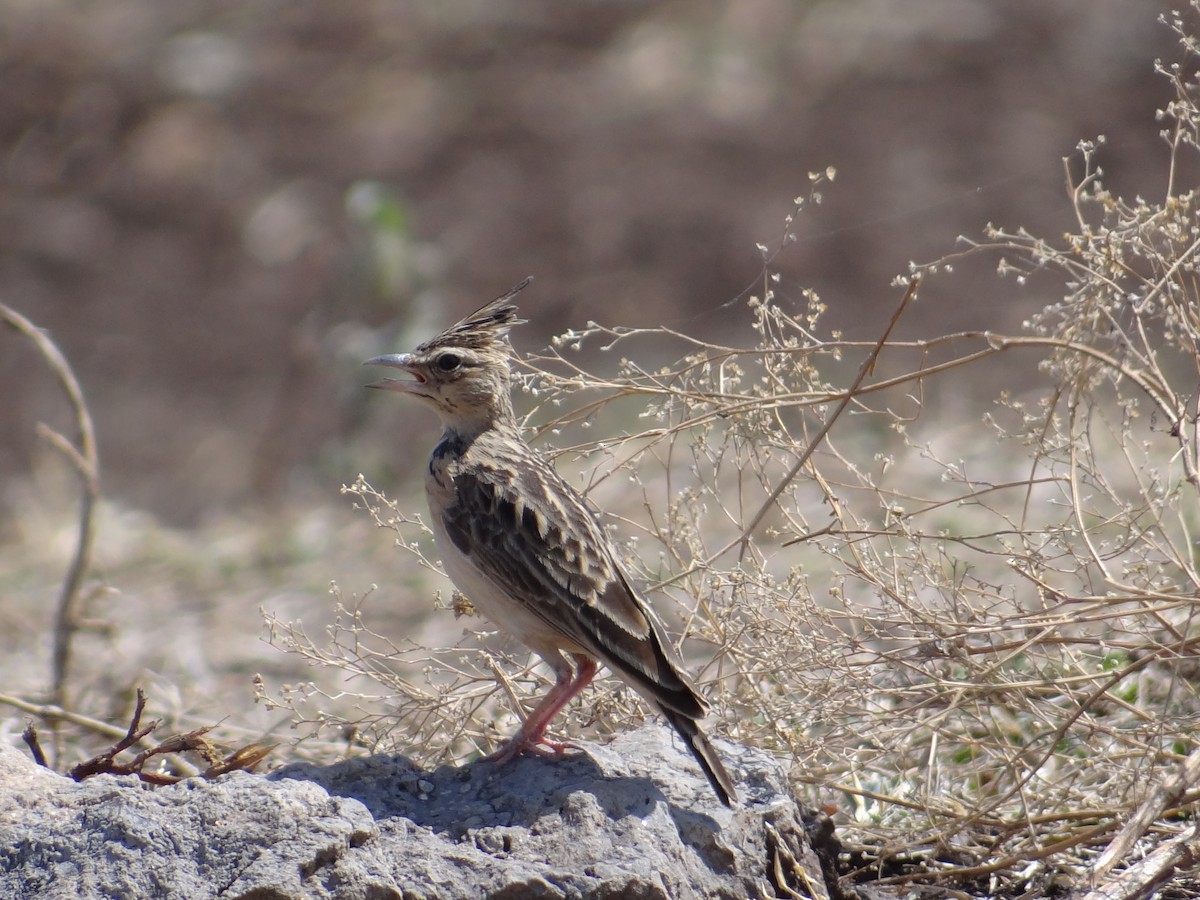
<point x="532" y="734"/>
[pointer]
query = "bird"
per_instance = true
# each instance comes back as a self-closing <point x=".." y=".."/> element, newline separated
<point x="525" y="547"/>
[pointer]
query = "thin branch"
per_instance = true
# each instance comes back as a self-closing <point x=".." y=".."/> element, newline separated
<point x="30" y="737"/>
<point x="52" y="712"/>
<point x="1143" y="878"/>
<point x="86" y="464"/>
<point x="1162" y="797"/>
<point x="864" y="370"/>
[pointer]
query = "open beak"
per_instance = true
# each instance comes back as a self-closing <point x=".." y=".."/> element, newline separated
<point x="403" y="362"/>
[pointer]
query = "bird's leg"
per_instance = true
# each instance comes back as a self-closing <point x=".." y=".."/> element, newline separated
<point x="532" y="734"/>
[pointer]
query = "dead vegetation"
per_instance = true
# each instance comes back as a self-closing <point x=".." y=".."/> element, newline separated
<point x="105" y="762"/>
<point x="972" y="628"/>
<point x="70" y="618"/>
<point x="975" y="627"/>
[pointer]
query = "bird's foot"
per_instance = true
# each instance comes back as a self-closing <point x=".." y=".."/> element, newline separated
<point x="537" y="745"/>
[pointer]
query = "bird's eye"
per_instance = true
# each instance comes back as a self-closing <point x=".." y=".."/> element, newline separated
<point x="448" y="362"/>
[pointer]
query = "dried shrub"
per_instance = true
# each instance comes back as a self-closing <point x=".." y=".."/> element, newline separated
<point x="977" y="626"/>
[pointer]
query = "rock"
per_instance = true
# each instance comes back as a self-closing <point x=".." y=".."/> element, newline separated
<point x="632" y="818"/>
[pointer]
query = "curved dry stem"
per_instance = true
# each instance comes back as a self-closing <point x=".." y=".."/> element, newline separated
<point x="84" y="460"/>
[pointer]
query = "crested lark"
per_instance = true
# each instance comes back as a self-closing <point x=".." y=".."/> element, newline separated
<point x="518" y="540"/>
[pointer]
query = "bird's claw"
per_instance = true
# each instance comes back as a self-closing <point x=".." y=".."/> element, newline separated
<point x="539" y="746"/>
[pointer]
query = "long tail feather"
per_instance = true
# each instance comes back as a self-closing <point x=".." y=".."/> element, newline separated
<point x="705" y="753"/>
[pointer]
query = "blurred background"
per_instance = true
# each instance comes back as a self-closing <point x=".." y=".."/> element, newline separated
<point x="218" y="209"/>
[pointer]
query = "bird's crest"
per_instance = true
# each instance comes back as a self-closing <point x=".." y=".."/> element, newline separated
<point x="484" y="329"/>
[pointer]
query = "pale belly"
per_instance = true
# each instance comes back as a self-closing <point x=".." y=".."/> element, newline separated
<point x="509" y="614"/>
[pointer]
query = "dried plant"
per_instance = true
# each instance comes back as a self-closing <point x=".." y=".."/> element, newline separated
<point x="978" y="630"/>
<point x="194" y="742"/>
<point x="81" y="454"/>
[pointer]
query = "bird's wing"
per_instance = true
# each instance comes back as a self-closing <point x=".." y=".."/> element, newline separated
<point x="532" y="535"/>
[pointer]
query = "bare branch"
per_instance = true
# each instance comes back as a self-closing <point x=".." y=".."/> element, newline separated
<point x="84" y="460"/>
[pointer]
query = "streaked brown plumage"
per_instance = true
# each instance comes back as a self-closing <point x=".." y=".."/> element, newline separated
<point x="523" y="546"/>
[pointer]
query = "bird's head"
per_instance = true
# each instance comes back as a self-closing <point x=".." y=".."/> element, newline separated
<point x="463" y="373"/>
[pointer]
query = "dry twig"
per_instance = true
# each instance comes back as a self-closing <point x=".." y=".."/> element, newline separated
<point x="85" y="462"/>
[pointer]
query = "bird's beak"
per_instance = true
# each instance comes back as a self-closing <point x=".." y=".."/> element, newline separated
<point x="403" y="362"/>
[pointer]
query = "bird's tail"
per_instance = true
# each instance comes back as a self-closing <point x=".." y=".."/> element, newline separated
<point x="705" y="753"/>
